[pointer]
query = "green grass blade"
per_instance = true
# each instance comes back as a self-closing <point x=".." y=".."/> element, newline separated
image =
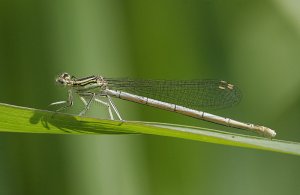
<point x="29" y="120"/>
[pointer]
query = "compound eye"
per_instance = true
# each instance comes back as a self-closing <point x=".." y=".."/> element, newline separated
<point x="60" y="81"/>
<point x="65" y="75"/>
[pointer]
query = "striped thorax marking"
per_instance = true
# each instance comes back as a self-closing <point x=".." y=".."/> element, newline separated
<point x="90" y="82"/>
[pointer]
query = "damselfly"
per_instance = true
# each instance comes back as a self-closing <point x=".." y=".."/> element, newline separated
<point x="182" y="96"/>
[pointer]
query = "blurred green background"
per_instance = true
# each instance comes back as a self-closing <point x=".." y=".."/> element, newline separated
<point x="253" y="44"/>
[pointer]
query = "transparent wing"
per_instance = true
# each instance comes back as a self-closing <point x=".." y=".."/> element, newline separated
<point x="194" y="94"/>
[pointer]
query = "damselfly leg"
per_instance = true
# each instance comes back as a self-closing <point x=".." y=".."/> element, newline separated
<point x="87" y="98"/>
<point x="108" y="104"/>
<point x="86" y="103"/>
<point x="68" y="103"/>
<point x="108" y="107"/>
<point x="114" y="107"/>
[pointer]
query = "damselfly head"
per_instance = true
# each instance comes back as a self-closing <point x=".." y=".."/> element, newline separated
<point x="64" y="79"/>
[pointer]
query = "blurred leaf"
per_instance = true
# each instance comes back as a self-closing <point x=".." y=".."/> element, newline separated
<point x="29" y="120"/>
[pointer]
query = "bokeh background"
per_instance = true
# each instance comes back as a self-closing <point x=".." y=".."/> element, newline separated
<point x="253" y="44"/>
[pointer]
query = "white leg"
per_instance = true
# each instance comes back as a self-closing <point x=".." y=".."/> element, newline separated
<point x="87" y="104"/>
<point x="83" y="100"/>
<point x="57" y="103"/>
<point x="108" y="106"/>
<point x="68" y="103"/>
<point x="114" y="107"/>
